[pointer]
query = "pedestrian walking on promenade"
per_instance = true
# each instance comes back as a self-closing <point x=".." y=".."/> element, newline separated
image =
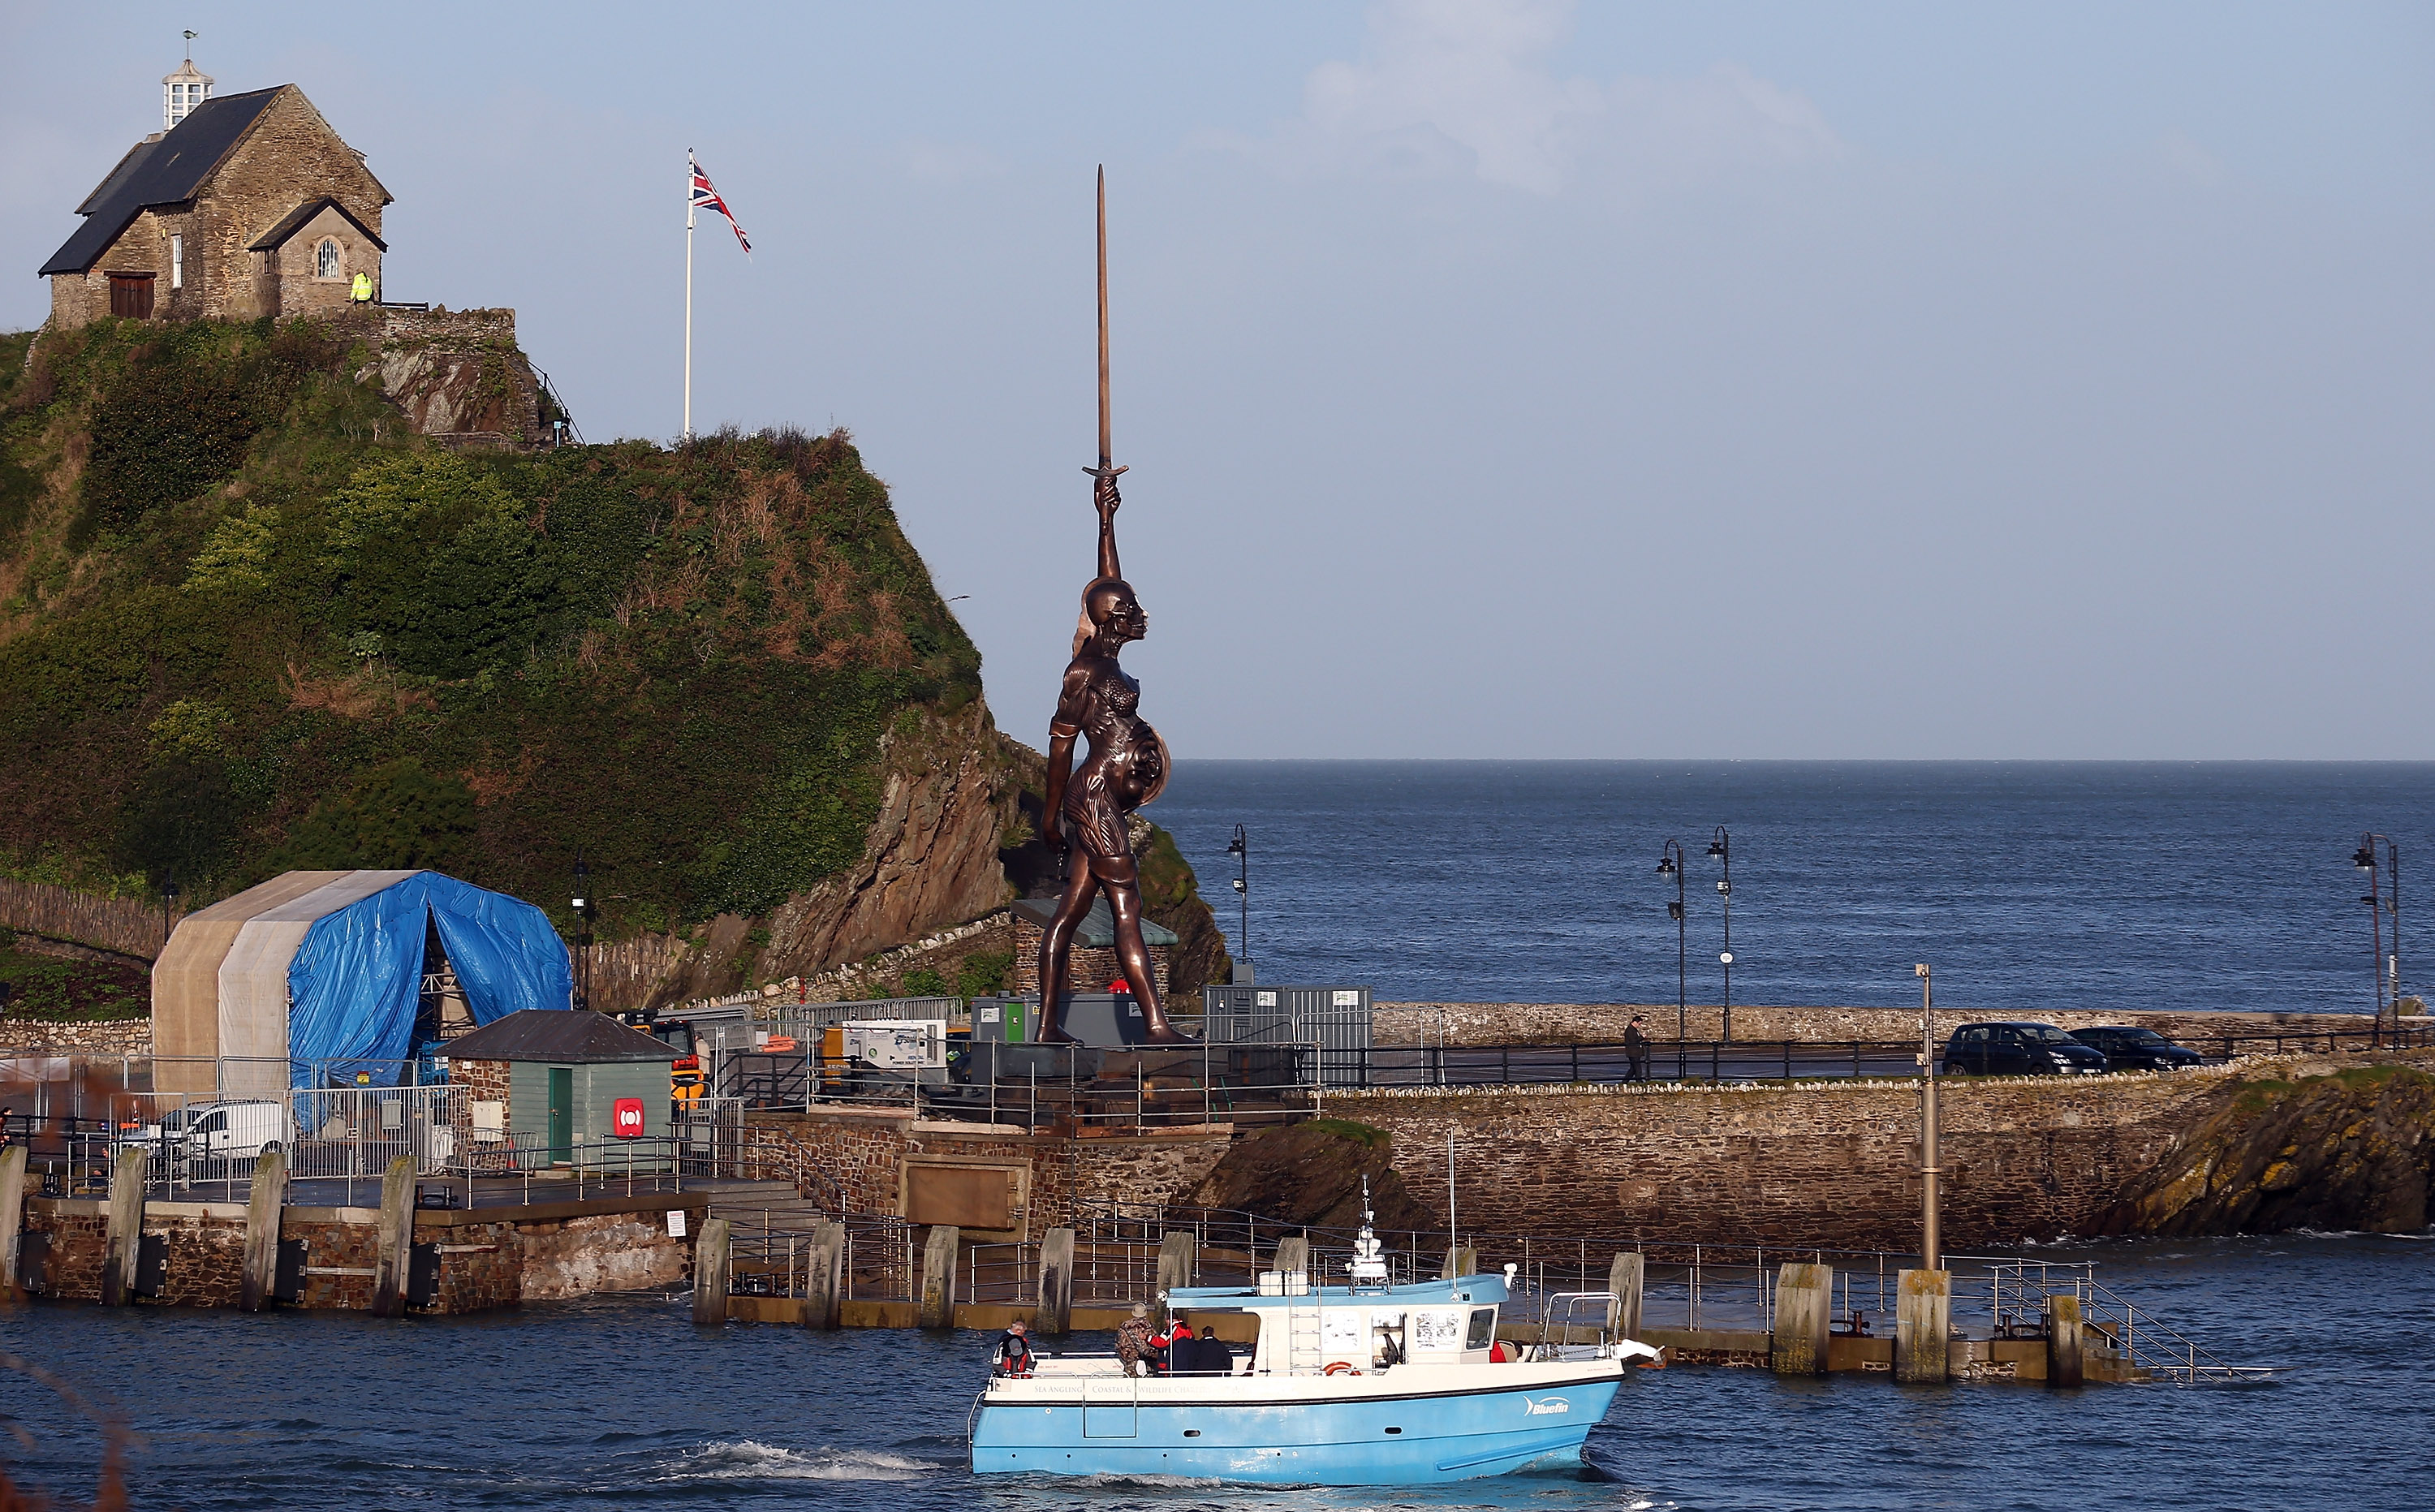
<point x="1635" y="1051"/>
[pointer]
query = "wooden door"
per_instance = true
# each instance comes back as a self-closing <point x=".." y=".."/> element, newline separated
<point x="130" y="295"/>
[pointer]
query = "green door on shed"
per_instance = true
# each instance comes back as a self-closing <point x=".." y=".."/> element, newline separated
<point x="562" y="1113"/>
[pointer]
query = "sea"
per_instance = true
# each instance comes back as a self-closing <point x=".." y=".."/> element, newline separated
<point x="621" y="1402"/>
<point x="2025" y="886"/>
<point x="2028" y="886"/>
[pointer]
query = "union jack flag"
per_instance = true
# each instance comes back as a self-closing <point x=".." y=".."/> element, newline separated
<point x="706" y="198"/>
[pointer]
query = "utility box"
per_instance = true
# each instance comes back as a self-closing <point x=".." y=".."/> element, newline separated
<point x="1106" y="1021"/>
<point x="1333" y="1020"/>
<point x="1005" y="1019"/>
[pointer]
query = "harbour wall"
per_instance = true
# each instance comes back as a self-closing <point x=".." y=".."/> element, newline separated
<point x="1518" y="1024"/>
<point x="487" y="1257"/>
<point x="1833" y="1164"/>
<point x="865" y="1154"/>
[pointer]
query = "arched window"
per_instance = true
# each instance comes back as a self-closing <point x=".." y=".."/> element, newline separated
<point x="325" y="259"/>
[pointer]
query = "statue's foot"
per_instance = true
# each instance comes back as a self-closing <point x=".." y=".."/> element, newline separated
<point x="1167" y="1034"/>
<point x="1054" y="1036"/>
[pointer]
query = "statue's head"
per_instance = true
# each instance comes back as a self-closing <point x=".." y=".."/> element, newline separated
<point x="1109" y="606"/>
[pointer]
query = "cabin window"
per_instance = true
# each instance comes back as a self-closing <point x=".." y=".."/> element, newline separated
<point x="325" y="258"/>
<point x="177" y="262"/>
<point x="1483" y="1329"/>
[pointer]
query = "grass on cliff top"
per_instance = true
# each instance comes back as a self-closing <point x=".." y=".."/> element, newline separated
<point x="59" y="990"/>
<point x="1344" y="1129"/>
<point x="251" y="622"/>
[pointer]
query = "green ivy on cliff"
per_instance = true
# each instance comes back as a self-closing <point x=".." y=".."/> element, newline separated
<point x="264" y="627"/>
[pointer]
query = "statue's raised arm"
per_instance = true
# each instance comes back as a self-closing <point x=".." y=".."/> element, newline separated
<point x="1104" y="496"/>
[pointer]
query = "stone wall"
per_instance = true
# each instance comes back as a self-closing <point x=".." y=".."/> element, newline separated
<point x="1089" y="969"/>
<point x="456" y="374"/>
<point x="489" y="1257"/>
<point x="99" y="1037"/>
<point x="1489" y="1024"/>
<point x="862" y="1151"/>
<point x="1816" y="1165"/>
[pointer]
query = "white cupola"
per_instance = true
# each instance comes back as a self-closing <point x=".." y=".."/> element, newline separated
<point x="181" y="92"/>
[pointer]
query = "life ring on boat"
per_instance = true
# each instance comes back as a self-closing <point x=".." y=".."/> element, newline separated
<point x="1340" y="1369"/>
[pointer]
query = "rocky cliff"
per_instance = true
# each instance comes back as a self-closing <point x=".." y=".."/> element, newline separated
<point x="2342" y="1149"/>
<point x="1312" y="1174"/>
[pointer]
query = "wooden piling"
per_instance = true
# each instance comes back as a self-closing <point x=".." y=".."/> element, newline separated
<point x="1293" y="1254"/>
<point x="1459" y="1263"/>
<point x="125" y="1232"/>
<point x="1923" y="1326"/>
<point x="1804" y="1299"/>
<point x="1179" y="1256"/>
<point x="396" y="1238"/>
<point x="12" y="1219"/>
<point x="263" y="1213"/>
<point x="823" y="1277"/>
<point x="2062" y="1340"/>
<point x="938" y="1275"/>
<point x="710" y="1256"/>
<point x="1054" y="1316"/>
<point x="1625" y="1279"/>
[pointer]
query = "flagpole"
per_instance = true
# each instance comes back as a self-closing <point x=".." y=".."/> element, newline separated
<point x="688" y="334"/>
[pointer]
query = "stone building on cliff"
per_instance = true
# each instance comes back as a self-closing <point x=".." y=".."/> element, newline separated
<point x="243" y="206"/>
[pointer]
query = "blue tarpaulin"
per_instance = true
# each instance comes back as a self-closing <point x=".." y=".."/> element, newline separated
<point x="357" y="979"/>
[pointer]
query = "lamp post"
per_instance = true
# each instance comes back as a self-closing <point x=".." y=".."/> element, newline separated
<point x="1672" y="863"/>
<point x="584" y="909"/>
<point x="1929" y="1240"/>
<point x="1722" y="847"/>
<point x="2382" y="896"/>
<point x="169" y="905"/>
<point x="1240" y="848"/>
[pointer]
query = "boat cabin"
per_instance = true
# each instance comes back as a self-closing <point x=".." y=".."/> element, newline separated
<point x="1293" y="1328"/>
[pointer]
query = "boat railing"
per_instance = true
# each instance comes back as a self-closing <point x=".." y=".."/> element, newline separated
<point x="1560" y="1316"/>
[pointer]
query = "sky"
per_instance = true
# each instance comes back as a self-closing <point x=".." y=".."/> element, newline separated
<point x="1507" y="378"/>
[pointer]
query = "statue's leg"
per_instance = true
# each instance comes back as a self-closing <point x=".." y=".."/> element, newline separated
<point x="1124" y="900"/>
<point x="1056" y="942"/>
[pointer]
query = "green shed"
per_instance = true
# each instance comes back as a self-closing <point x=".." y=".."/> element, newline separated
<point x="544" y="1087"/>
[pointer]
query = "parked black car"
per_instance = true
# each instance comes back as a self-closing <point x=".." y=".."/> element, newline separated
<point x="2019" y="1050"/>
<point x="2127" y="1047"/>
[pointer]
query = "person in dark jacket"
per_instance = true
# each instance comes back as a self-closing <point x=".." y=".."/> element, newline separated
<point x="1013" y="1356"/>
<point x="1635" y="1049"/>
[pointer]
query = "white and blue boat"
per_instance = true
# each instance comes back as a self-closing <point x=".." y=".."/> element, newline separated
<point x="1362" y="1384"/>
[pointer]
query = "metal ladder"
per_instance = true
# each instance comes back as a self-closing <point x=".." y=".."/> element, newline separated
<point x="1305" y="1347"/>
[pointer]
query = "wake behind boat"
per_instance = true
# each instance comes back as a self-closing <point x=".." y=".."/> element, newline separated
<point x="1360" y="1385"/>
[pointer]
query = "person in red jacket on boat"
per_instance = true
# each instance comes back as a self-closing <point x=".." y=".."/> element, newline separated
<point x="1163" y="1343"/>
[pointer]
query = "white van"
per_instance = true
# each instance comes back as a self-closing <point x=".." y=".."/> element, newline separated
<point x="225" y="1130"/>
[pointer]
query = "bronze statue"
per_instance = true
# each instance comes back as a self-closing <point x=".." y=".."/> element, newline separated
<point x="1126" y="764"/>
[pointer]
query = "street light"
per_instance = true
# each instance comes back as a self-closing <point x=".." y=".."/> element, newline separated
<point x="169" y="905"/>
<point x="2381" y="899"/>
<point x="1670" y="863"/>
<point x="1722" y="847"/>
<point x="1240" y="848"/>
<point x="584" y="909"/>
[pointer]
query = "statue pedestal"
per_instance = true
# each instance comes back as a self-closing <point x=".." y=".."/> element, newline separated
<point x="1106" y="1021"/>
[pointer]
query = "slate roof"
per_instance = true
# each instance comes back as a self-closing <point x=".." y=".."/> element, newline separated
<point x="1097" y="930"/>
<point x="296" y="219"/>
<point x="563" y="1037"/>
<point x="166" y="172"/>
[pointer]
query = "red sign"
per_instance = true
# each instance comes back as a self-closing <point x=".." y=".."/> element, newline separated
<point x="626" y="1118"/>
